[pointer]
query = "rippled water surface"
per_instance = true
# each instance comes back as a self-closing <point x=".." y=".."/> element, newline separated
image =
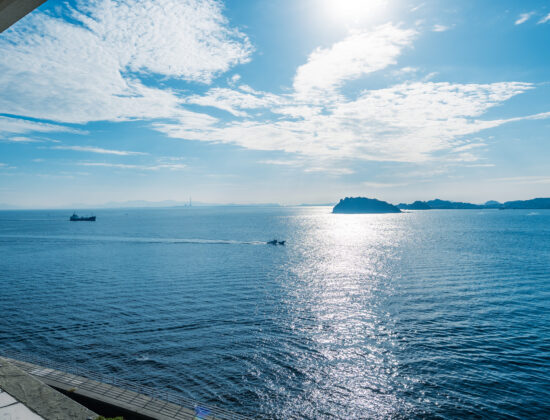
<point x="421" y="314"/>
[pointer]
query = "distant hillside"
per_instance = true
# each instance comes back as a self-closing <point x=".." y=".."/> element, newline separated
<point x="535" y="203"/>
<point x="452" y="205"/>
<point x="364" y="205"/>
<point x="492" y="204"/>
<point x="438" y="204"/>
<point x="417" y="205"/>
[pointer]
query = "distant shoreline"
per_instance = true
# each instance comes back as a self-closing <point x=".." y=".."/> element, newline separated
<point x="435" y="204"/>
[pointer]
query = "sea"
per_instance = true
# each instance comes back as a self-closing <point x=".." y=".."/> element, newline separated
<point x="424" y="314"/>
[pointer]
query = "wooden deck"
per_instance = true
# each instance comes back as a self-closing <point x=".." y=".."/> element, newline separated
<point x="149" y="403"/>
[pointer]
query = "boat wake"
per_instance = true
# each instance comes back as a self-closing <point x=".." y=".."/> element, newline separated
<point x="145" y="240"/>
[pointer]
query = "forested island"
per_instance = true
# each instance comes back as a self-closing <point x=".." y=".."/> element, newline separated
<point x="535" y="203"/>
<point x="364" y="205"/>
<point x="372" y="205"/>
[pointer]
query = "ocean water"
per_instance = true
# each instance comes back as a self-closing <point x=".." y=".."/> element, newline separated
<point x="435" y="314"/>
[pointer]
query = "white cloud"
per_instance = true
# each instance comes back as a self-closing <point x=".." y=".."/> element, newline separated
<point x="329" y="170"/>
<point x="406" y="70"/>
<point x="545" y="19"/>
<point x="234" y="79"/>
<point x="524" y="180"/>
<point x="21" y="139"/>
<point x="481" y="165"/>
<point x="99" y="150"/>
<point x="468" y="146"/>
<point x="155" y="167"/>
<point x="89" y="70"/>
<point x="188" y="39"/>
<point x="87" y="79"/>
<point x="524" y="17"/>
<point x="280" y="162"/>
<point x="358" y="54"/>
<point x="10" y="125"/>
<point x="384" y="184"/>
<point x="440" y="28"/>
<point x="234" y="101"/>
<point x="409" y="122"/>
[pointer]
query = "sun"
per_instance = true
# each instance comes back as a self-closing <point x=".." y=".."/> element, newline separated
<point x="354" y="11"/>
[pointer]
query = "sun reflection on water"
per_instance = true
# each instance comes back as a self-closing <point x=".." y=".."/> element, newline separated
<point x="340" y="279"/>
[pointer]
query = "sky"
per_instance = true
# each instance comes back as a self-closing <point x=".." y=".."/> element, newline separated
<point x="279" y="101"/>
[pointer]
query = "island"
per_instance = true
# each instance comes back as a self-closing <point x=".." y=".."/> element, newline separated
<point x="356" y="205"/>
<point x="534" y="204"/>
<point x="437" y="204"/>
<point x="417" y="205"/>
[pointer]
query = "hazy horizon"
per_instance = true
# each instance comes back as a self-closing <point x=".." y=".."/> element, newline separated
<point x="175" y="203"/>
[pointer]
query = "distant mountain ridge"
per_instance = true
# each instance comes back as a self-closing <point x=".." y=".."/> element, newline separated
<point x="356" y="205"/>
<point x="437" y="204"/>
<point x="534" y="204"/>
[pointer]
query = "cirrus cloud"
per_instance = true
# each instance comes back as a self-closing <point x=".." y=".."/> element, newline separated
<point x="99" y="150"/>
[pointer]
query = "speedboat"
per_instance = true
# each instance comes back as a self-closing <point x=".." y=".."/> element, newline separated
<point x="273" y="242"/>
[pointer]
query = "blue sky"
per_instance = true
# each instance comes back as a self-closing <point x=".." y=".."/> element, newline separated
<point x="287" y="101"/>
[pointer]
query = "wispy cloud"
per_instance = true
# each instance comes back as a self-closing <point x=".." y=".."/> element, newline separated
<point x="21" y="139"/>
<point x="235" y="101"/>
<point x="545" y="19"/>
<point x="358" y="54"/>
<point x="11" y="125"/>
<point x="280" y="162"/>
<point x="91" y="69"/>
<point x="481" y="165"/>
<point x="523" y="179"/>
<point x="99" y="150"/>
<point x="155" y="167"/>
<point x="381" y="185"/>
<point x="440" y="28"/>
<point x="524" y="17"/>
<point x="408" y="122"/>
<point x="329" y="170"/>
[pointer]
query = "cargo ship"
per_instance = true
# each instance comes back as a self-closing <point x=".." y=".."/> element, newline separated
<point x="76" y="218"/>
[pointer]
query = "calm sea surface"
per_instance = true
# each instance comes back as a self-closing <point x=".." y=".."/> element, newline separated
<point x="415" y="315"/>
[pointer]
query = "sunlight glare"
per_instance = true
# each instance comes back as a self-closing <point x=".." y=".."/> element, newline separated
<point x="354" y="11"/>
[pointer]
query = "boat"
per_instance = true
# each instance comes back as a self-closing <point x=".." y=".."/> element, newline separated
<point x="76" y="218"/>
<point x="276" y="242"/>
